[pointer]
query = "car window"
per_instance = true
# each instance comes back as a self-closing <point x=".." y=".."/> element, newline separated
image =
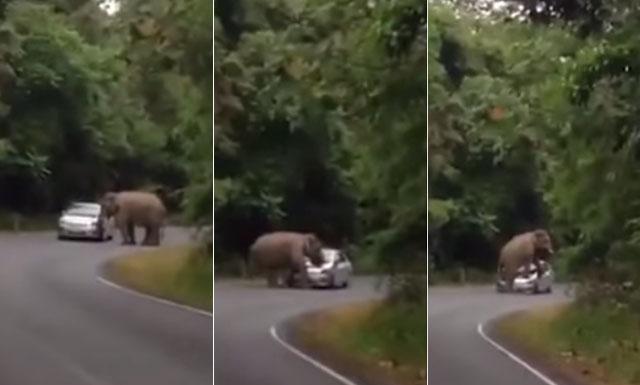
<point x="83" y="211"/>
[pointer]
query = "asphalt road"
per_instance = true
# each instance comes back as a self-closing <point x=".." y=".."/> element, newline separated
<point x="458" y="355"/>
<point x="246" y="353"/>
<point x="60" y="326"/>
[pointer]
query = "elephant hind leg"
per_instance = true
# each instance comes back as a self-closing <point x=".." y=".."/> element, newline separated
<point x="147" y="236"/>
<point x="154" y="237"/>
<point x="131" y="233"/>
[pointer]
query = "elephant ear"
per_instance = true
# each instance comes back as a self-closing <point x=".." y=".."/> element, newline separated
<point x="312" y="249"/>
<point x="310" y="240"/>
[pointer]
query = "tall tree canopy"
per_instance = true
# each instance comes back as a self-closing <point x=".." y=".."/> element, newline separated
<point x="534" y="124"/>
<point x="92" y="101"/>
<point x="321" y="124"/>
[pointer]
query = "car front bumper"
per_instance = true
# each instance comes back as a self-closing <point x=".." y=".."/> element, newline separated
<point x="78" y="232"/>
<point x="320" y="279"/>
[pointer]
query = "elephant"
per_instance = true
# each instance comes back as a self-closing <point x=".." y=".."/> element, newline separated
<point x="523" y="250"/>
<point x="287" y="252"/>
<point x="136" y="208"/>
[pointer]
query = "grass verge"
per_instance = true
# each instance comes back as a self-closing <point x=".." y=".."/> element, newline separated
<point x="597" y="345"/>
<point x="380" y="342"/>
<point x="181" y="274"/>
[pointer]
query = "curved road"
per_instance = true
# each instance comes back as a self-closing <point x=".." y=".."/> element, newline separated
<point x="59" y="325"/>
<point x="246" y="353"/>
<point x="458" y="355"/>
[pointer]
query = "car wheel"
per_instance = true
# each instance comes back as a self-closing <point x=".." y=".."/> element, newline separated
<point x="345" y="284"/>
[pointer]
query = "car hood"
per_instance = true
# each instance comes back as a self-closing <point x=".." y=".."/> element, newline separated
<point x="532" y="277"/>
<point x="324" y="266"/>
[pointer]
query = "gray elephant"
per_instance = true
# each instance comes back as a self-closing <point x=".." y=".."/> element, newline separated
<point x="285" y="252"/>
<point x="136" y="208"/>
<point x="523" y="250"/>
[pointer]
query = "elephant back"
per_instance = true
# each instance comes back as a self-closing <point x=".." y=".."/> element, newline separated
<point x="141" y="207"/>
<point x="517" y="251"/>
<point x="275" y="249"/>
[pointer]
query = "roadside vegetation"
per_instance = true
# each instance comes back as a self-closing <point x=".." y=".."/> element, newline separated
<point x="320" y="125"/>
<point x="384" y="336"/>
<point x="533" y="123"/>
<point x="583" y="340"/>
<point x="181" y="274"/>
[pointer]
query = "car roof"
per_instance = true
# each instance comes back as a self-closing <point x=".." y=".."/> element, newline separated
<point x="84" y="204"/>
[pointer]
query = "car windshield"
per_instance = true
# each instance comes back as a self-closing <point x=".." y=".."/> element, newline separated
<point x="83" y="210"/>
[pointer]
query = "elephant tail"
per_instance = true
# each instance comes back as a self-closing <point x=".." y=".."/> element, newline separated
<point x="249" y="263"/>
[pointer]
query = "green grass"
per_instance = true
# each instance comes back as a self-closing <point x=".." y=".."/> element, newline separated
<point x="181" y="274"/>
<point x="602" y="343"/>
<point x="394" y="334"/>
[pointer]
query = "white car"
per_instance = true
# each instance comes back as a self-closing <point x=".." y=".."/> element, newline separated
<point x="533" y="283"/>
<point x="85" y="220"/>
<point x="334" y="272"/>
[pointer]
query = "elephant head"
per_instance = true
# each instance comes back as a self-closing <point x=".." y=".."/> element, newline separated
<point x="313" y="249"/>
<point x="542" y="243"/>
<point x="108" y="202"/>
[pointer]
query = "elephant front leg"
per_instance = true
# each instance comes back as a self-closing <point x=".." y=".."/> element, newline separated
<point x="153" y="236"/>
<point x="126" y="235"/>
<point x="150" y="237"/>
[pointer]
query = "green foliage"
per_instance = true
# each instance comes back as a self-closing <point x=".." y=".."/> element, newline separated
<point x="489" y="118"/>
<point x="321" y="126"/>
<point x="90" y="102"/>
<point x="534" y="125"/>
